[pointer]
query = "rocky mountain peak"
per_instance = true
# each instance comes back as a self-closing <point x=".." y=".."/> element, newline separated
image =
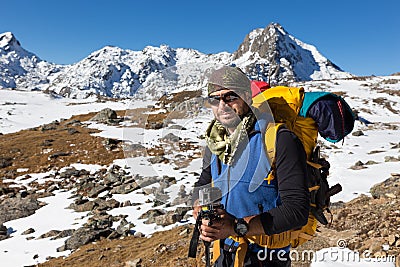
<point x="278" y="57"/>
<point x="10" y="44"/>
<point x="21" y="68"/>
<point x="8" y="40"/>
<point x="261" y="41"/>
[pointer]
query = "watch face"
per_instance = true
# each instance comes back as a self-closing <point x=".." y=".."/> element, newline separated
<point x="241" y="228"/>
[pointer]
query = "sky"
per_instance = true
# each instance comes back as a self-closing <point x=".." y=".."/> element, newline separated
<point x="361" y="37"/>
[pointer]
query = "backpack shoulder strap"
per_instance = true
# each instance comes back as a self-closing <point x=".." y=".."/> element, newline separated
<point x="270" y="141"/>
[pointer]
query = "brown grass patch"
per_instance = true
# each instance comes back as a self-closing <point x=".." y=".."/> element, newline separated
<point x="54" y="146"/>
<point x="167" y="248"/>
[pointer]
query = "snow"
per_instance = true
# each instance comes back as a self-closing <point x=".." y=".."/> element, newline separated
<point x="18" y="251"/>
<point x="23" y="109"/>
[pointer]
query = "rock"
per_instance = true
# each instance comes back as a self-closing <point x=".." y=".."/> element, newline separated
<point x="358" y="133"/>
<point x="375" y="152"/>
<point x="106" y="115"/>
<point x="47" y="142"/>
<point x="111" y="143"/>
<point x="134" y="263"/>
<point x="87" y="206"/>
<point x="109" y="204"/>
<point x="28" y="231"/>
<point x="171" y="138"/>
<point x="150" y="215"/>
<point x="395" y="146"/>
<point x="388" y="188"/>
<point x="69" y="172"/>
<point x="135" y="150"/>
<point x="17" y="207"/>
<point x="52" y="188"/>
<point x="146" y="181"/>
<point x="59" y="154"/>
<point x="3" y="232"/>
<point x="171" y="217"/>
<point x="182" y="196"/>
<point x="358" y="166"/>
<point x="124" y="188"/>
<point x="124" y="228"/>
<point x="139" y="234"/>
<point x="83" y="236"/>
<point x="48" y="127"/>
<point x="391" y="159"/>
<point x="73" y="123"/>
<point x="112" y="178"/>
<point x="50" y="233"/>
<point x="158" y="159"/>
<point x="96" y="190"/>
<point x="126" y="203"/>
<point x="390" y="195"/>
<point x="155" y="125"/>
<point x="72" y="131"/>
<point x="5" y="162"/>
<point x="64" y="233"/>
<point x="62" y="248"/>
<point x="177" y="127"/>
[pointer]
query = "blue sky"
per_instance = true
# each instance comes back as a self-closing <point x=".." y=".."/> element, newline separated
<point x="361" y="37"/>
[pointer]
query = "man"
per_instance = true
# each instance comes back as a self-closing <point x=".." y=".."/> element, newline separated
<point x="235" y="161"/>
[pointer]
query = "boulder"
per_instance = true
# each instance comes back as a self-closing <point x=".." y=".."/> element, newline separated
<point x="18" y="207"/>
<point x="106" y="115"/>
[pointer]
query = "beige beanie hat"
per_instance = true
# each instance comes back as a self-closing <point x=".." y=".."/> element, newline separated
<point x="231" y="78"/>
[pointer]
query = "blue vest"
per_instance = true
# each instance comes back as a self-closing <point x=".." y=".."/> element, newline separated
<point x="244" y="190"/>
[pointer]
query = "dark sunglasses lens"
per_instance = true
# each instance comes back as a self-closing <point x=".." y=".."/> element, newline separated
<point x="230" y="97"/>
<point x="214" y="101"/>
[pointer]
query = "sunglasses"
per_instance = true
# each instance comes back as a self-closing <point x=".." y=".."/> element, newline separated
<point x="227" y="98"/>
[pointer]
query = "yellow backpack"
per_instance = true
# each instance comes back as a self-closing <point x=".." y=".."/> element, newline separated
<point x="301" y="113"/>
<point x="285" y="104"/>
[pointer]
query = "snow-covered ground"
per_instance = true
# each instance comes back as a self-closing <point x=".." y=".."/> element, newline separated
<point x="21" y="110"/>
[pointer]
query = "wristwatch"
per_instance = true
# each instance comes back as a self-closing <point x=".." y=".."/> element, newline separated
<point x="241" y="227"/>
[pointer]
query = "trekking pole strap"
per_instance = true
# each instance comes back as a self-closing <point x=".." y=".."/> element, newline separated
<point x="194" y="241"/>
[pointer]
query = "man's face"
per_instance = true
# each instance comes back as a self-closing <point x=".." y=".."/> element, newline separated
<point x="228" y="107"/>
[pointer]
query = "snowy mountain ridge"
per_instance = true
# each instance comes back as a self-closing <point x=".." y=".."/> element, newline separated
<point x="20" y="68"/>
<point x="265" y="54"/>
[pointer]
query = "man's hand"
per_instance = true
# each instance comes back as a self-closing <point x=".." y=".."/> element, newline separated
<point x="219" y="229"/>
<point x="196" y="209"/>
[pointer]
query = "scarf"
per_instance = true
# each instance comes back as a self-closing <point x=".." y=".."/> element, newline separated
<point x="224" y="145"/>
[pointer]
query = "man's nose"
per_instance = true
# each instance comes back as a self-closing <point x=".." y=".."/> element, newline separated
<point x="222" y="105"/>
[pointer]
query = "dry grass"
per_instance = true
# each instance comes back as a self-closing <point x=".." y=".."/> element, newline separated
<point x="38" y="150"/>
<point x="167" y="248"/>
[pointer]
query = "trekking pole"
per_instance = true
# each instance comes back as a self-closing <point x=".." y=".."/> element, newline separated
<point x="209" y="200"/>
<point x="207" y="253"/>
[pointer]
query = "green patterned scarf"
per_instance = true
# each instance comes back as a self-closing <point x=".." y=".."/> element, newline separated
<point x="224" y="145"/>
